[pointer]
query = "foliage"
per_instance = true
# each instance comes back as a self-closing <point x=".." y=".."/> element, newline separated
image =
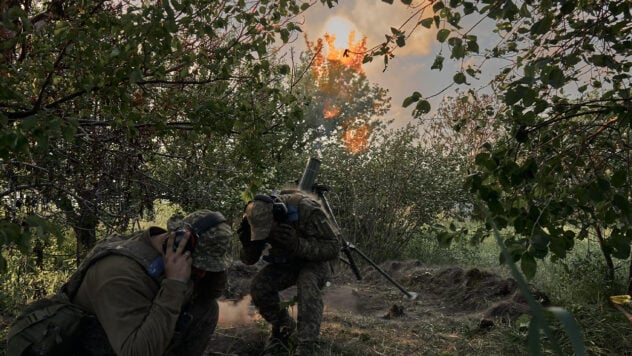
<point x="343" y="104"/>
<point x="463" y="124"/>
<point x="342" y="108"/>
<point x="33" y="276"/>
<point x="103" y="102"/>
<point x="433" y="246"/>
<point x="382" y="197"/>
<point x="564" y="84"/>
<point x="570" y="283"/>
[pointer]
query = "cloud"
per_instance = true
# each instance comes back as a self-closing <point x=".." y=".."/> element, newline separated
<point x="374" y="20"/>
<point x="408" y="71"/>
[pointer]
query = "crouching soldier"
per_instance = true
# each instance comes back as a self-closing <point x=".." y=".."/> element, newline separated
<point x="152" y="293"/>
<point x="299" y="242"/>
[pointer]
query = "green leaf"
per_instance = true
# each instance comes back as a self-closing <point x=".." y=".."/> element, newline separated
<point x="468" y="8"/>
<point x="619" y="178"/>
<point x="285" y="35"/>
<point x="422" y="107"/>
<point x="412" y="99"/>
<point x="284" y="69"/>
<point x="458" y="50"/>
<point x="540" y="241"/>
<point x="543" y="26"/>
<point x="444" y="238"/>
<point x="620" y="245"/>
<point x="407" y="2"/>
<point x="459" y="78"/>
<point x="571" y="328"/>
<point x="409" y="100"/>
<point x="427" y="23"/>
<point x="438" y="63"/>
<point x="388" y="1"/>
<point x="513" y="95"/>
<point x="556" y="77"/>
<point x="438" y="6"/>
<point x="3" y="265"/>
<point x="558" y="246"/>
<point x="401" y="41"/>
<point x="621" y="203"/>
<point x="528" y="265"/>
<point x="442" y="35"/>
<point x="603" y="60"/>
<point x="472" y="46"/>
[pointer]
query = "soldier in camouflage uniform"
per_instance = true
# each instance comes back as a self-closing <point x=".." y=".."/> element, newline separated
<point x="295" y="236"/>
<point x="149" y="297"/>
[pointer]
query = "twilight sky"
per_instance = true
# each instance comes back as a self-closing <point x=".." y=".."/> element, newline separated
<point x="410" y="69"/>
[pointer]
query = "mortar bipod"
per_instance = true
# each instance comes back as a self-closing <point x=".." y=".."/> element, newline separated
<point x="348" y="247"/>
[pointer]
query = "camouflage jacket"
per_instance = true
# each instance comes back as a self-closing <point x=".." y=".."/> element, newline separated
<point x="319" y="238"/>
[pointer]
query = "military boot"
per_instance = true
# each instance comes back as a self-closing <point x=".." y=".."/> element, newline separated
<point x="281" y="338"/>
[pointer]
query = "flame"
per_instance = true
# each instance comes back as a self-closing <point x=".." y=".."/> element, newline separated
<point x="352" y="56"/>
<point x="330" y="110"/>
<point x="356" y="140"/>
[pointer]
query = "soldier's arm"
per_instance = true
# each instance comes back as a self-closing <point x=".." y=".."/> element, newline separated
<point x="138" y="316"/>
<point x="250" y="250"/>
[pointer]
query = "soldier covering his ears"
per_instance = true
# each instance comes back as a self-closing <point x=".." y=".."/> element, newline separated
<point x="142" y="294"/>
<point x="296" y="238"/>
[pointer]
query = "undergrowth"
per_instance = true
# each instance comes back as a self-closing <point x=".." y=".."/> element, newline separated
<point x="577" y="283"/>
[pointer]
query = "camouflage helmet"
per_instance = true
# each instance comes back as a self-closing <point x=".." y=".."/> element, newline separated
<point x="213" y="245"/>
<point x="175" y="221"/>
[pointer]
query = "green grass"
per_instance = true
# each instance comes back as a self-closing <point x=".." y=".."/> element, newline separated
<point x="576" y="283"/>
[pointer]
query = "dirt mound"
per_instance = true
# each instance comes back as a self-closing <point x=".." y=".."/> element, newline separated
<point x="451" y="292"/>
<point x="464" y="290"/>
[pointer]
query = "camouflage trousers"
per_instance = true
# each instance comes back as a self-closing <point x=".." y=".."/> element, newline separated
<point x="194" y="328"/>
<point x="309" y="278"/>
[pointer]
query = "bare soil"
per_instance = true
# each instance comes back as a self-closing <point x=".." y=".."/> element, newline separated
<point x="456" y="312"/>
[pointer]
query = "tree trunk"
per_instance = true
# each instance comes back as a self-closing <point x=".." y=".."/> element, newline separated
<point x="630" y="278"/>
<point x="606" y="255"/>
<point x="85" y="229"/>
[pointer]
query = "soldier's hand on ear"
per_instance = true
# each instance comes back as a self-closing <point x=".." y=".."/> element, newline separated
<point x="178" y="262"/>
<point x="283" y="236"/>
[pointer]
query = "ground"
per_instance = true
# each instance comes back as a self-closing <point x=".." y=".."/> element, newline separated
<point x="456" y="311"/>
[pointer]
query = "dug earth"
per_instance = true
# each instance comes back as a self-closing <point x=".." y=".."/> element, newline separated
<point x="457" y="311"/>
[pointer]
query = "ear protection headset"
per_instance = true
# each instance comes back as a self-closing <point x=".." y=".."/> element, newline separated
<point x="279" y="209"/>
<point x="180" y="233"/>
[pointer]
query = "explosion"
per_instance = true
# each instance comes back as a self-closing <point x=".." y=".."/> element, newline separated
<point x="356" y="139"/>
<point x="330" y="110"/>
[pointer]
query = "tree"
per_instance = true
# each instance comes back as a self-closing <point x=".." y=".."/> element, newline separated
<point x="383" y="196"/>
<point x="97" y="97"/>
<point x="463" y="124"/>
<point x="342" y="100"/>
<point x="565" y="168"/>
